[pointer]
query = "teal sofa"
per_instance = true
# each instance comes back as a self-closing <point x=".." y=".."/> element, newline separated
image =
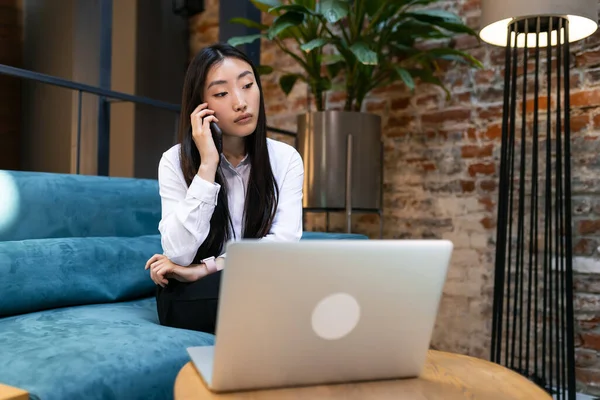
<point x="77" y="314"/>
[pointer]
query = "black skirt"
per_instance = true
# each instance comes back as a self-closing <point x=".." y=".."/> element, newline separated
<point x="190" y="305"/>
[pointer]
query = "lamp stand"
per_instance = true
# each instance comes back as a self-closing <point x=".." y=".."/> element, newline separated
<point x="532" y="328"/>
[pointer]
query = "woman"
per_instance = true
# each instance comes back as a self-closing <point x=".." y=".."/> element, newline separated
<point x="253" y="189"/>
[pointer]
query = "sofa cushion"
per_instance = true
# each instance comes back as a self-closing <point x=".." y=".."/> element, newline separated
<point x="48" y="205"/>
<point x="40" y="274"/>
<point x="104" y="352"/>
<point x="332" y="236"/>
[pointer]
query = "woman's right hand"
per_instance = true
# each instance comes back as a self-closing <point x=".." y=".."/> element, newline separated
<point x="200" y="120"/>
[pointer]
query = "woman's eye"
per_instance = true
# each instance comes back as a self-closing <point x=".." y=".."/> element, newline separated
<point x="248" y="85"/>
<point x="220" y="94"/>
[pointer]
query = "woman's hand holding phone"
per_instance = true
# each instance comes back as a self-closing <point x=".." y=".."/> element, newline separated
<point x="201" y="118"/>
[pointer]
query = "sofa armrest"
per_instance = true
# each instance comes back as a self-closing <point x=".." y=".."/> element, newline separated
<point x="12" y="393"/>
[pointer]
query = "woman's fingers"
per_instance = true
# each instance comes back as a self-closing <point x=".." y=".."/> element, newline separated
<point x="206" y="123"/>
<point x="153" y="259"/>
<point x="199" y="108"/>
<point x="160" y="274"/>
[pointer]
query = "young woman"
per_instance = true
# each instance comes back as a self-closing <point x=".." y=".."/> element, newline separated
<point x="253" y="189"/>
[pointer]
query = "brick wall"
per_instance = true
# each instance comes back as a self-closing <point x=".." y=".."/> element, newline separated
<point x="441" y="173"/>
<point x="10" y="88"/>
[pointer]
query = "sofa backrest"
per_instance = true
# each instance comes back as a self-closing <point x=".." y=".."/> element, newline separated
<point x="36" y="205"/>
<point x="69" y="240"/>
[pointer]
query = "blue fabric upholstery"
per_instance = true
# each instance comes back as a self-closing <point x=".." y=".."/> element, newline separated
<point x="332" y="236"/>
<point x="41" y="274"/>
<point x="77" y="315"/>
<point x="46" y="205"/>
<point x="95" y="352"/>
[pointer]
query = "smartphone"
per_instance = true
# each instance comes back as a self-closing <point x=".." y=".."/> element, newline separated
<point x="217" y="136"/>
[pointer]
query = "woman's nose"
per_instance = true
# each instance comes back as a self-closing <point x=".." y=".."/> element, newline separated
<point x="239" y="103"/>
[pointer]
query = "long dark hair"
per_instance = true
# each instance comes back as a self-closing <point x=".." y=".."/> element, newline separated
<point x="262" y="194"/>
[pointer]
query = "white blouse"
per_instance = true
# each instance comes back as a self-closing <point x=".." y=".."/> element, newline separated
<point x="186" y="212"/>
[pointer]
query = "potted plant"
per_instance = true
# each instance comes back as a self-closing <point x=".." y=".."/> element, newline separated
<point x="359" y="45"/>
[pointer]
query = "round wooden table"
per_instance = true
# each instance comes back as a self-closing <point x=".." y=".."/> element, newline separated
<point x="446" y="376"/>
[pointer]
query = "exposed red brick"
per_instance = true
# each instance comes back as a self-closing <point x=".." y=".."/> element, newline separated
<point x="485" y="76"/>
<point x="591" y="323"/>
<point x="542" y="104"/>
<point x="530" y="69"/>
<point x="585" y="358"/>
<point x="376" y="107"/>
<point x="335" y="97"/>
<point x="591" y="340"/>
<point x="398" y="122"/>
<point x="588" y="227"/>
<point x="588" y="59"/>
<point x="470" y="5"/>
<point x="470" y="151"/>
<point x="456" y="115"/>
<point x="429" y="167"/>
<point x="488" y="223"/>
<point x="413" y="160"/>
<point x="482" y="169"/>
<point x="488" y="185"/>
<point x="587" y="98"/>
<point x="494" y="132"/>
<point x="490" y="112"/>
<point x="579" y="122"/>
<point x="463" y="42"/>
<point x="489" y="204"/>
<point x="467" y="186"/>
<point x="471" y="134"/>
<point x="584" y="247"/>
<point x="426" y="100"/>
<point x="400" y="103"/>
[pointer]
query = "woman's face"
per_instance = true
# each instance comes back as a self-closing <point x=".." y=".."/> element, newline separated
<point x="232" y="93"/>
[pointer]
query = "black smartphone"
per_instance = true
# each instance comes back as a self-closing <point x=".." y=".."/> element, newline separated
<point x="217" y="136"/>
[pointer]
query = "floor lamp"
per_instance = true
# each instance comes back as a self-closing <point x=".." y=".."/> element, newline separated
<point x="532" y="326"/>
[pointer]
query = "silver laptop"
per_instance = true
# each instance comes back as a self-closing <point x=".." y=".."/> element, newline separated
<point x="323" y="311"/>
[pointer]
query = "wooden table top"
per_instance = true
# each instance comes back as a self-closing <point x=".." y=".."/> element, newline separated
<point x="446" y="376"/>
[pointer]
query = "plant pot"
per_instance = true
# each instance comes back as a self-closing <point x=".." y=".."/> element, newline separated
<point x="342" y="154"/>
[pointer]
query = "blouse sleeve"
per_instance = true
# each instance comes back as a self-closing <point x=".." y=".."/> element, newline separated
<point x="186" y="212"/>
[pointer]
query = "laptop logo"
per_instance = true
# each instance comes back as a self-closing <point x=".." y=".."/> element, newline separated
<point x="335" y="316"/>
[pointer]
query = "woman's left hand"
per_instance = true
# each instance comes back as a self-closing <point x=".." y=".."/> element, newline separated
<point x="161" y="268"/>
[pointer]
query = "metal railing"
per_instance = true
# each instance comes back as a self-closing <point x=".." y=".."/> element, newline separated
<point x="105" y="97"/>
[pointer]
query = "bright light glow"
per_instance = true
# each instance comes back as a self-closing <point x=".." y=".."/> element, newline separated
<point x="9" y="202"/>
<point x="579" y="28"/>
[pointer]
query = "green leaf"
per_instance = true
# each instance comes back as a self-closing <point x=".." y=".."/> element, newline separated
<point x="287" y="82"/>
<point x="322" y="84"/>
<point x="314" y="44"/>
<point x="406" y="77"/>
<point x="238" y="40"/>
<point x="457" y="28"/>
<point x="249" y="23"/>
<point x="334" y="69"/>
<point x="435" y="15"/>
<point x="283" y="22"/>
<point x="265" y="5"/>
<point x="310" y="4"/>
<point x="264" y="69"/>
<point x="333" y="10"/>
<point x="413" y="3"/>
<point x="364" y="54"/>
<point x="332" y="58"/>
<point x="454" y="55"/>
<point x="372" y="6"/>
<point x="291" y="7"/>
